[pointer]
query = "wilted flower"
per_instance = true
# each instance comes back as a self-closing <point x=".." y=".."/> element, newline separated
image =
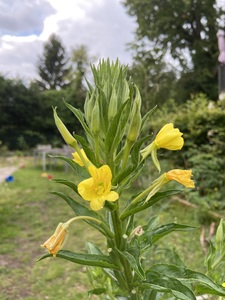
<point x="97" y="189"/>
<point x="181" y="176"/>
<point x="55" y="242"/>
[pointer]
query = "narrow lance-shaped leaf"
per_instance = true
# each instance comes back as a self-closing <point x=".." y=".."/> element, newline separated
<point x="102" y="261"/>
<point x="148" y="238"/>
<point x="142" y="205"/>
<point x="163" y="283"/>
<point x="204" y="283"/>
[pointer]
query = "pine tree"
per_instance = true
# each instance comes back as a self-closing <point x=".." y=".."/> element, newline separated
<point x="52" y="66"/>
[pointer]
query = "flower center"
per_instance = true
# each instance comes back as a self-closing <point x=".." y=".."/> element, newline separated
<point x="100" y="188"/>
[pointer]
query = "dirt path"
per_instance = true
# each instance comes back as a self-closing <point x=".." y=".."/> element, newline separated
<point x="5" y="172"/>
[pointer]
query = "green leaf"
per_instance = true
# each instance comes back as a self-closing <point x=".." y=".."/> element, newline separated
<point x="81" y="210"/>
<point x="102" y="261"/>
<point x="68" y="183"/>
<point x="80" y="116"/>
<point x="206" y="285"/>
<point x="116" y="130"/>
<point x="163" y="283"/>
<point x="135" y="153"/>
<point x="148" y="238"/>
<point x="93" y="249"/>
<point x="139" y="206"/>
<point x="97" y="291"/>
<point x="134" y="263"/>
<point x="147" y="115"/>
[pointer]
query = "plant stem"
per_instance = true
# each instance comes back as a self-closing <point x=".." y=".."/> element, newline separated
<point x="128" y="146"/>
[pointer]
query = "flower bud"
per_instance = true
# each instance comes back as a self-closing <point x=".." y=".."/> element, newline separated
<point x="136" y="119"/>
<point x="67" y="136"/>
<point x="112" y="110"/>
<point x="95" y="119"/>
<point x="88" y="106"/>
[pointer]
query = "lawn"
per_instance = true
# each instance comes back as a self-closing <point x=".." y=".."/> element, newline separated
<point x="29" y="214"/>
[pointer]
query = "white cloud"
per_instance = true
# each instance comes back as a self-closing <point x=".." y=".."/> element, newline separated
<point x="103" y="26"/>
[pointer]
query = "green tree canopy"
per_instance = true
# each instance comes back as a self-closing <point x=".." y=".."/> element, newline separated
<point x="52" y="66"/>
<point x="186" y="29"/>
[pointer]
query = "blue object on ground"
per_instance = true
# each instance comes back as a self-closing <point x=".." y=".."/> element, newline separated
<point x="9" y="178"/>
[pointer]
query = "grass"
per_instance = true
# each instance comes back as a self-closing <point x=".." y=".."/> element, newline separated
<point x="29" y="214"/>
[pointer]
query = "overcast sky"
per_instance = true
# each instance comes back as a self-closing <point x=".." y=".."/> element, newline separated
<point x="102" y="25"/>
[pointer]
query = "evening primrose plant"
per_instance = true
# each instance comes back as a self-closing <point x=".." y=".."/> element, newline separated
<point x="107" y="160"/>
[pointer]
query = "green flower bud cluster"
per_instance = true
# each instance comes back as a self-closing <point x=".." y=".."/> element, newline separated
<point x="112" y="112"/>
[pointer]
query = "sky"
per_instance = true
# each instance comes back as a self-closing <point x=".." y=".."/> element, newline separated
<point x="25" y="25"/>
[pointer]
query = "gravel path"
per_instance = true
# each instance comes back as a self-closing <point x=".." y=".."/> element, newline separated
<point x="5" y="172"/>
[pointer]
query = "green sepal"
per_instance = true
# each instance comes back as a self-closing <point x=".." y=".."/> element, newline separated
<point x="102" y="261"/>
<point x="166" y="284"/>
<point x="203" y="284"/>
<point x="142" y="205"/>
<point x="81" y="210"/>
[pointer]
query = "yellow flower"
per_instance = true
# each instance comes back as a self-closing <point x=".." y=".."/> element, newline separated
<point x="181" y="176"/>
<point x="77" y="158"/>
<point x="223" y="284"/>
<point x="55" y="242"/>
<point x="97" y="189"/>
<point x="169" y="138"/>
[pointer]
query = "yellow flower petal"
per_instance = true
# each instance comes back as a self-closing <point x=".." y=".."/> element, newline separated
<point x="96" y="204"/>
<point x="85" y="189"/>
<point x="169" y="138"/>
<point x="77" y="158"/>
<point x="181" y="176"/>
<point x="97" y="189"/>
<point x="112" y="196"/>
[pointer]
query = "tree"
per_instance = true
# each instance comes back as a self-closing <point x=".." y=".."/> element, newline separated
<point x="18" y="124"/>
<point x="186" y="29"/>
<point x="154" y="78"/>
<point x="79" y="64"/>
<point x="52" y="66"/>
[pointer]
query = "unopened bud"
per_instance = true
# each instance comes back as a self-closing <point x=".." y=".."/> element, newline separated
<point x="112" y="110"/>
<point x="95" y="119"/>
<point x="67" y="136"/>
<point x="136" y="118"/>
